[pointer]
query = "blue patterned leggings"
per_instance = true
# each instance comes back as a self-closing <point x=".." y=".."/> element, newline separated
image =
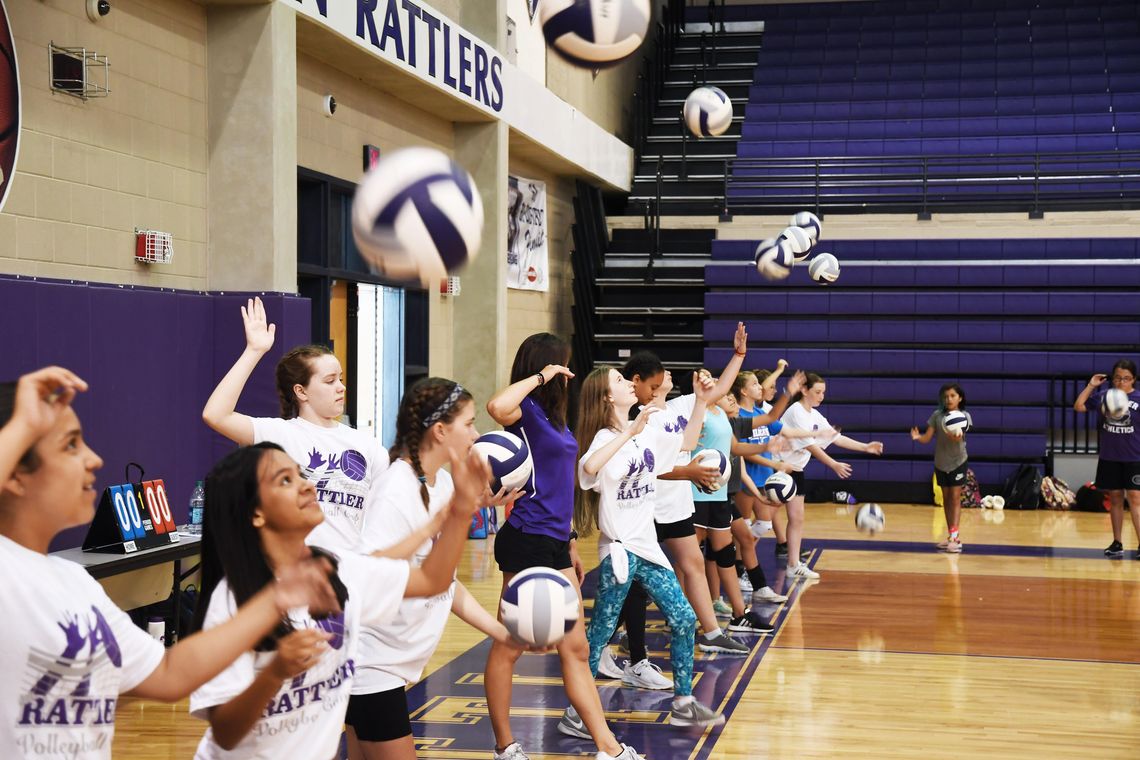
<point x="661" y="583"/>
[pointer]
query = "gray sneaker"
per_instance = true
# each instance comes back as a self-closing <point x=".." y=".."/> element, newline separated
<point x="695" y="714"/>
<point x="571" y="724"/>
<point x="724" y="644"/>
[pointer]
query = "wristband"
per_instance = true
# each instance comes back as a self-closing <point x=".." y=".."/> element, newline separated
<point x="741" y="353"/>
<point x="573" y="536"/>
<point x="541" y="378"/>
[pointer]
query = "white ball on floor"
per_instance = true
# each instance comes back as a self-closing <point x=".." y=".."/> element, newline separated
<point x="999" y="502"/>
<point x="870" y="518"/>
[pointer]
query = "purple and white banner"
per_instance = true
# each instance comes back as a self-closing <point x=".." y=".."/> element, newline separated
<point x="526" y="235"/>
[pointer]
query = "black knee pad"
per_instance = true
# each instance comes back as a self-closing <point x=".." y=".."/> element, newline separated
<point x="726" y="557"/>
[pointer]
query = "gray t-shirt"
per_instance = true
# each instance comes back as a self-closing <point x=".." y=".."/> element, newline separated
<point x="741" y="428"/>
<point x="949" y="454"/>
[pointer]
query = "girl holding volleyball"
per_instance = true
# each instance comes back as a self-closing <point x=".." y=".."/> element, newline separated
<point x="803" y="413"/>
<point x="343" y="461"/>
<point x="950" y="461"/>
<point x="287" y="695"/>
<point x="617" y="469"/>
<point x="538" y="534"/>
<point x="754" y="392"/>
<point x="1118" y="460"/>
<point x="436" y="416"/>
<point x="72" y="651"/>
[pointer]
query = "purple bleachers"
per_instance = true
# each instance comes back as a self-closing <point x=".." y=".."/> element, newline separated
<point x="1007" y="317"/>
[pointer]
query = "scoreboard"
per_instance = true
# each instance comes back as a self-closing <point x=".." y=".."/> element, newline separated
<point x="130" y="517"/>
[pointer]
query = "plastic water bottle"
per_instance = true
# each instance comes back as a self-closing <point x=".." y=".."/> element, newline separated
<point x="197" y="507"/>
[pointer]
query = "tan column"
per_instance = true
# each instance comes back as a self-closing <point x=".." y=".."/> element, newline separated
<point x="252" y="177"/>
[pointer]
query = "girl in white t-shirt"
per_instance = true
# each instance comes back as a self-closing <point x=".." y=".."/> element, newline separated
<point x="343" y="462"/>
<point x="617" y="471"/>
<point x="803" y="414"/>
<point x="287" y="696"/>
<point x="68" y="652"/>
<point x="435" y="416"/>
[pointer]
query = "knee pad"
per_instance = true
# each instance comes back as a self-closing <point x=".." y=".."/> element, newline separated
<point x="726" y="557"/>
<point x="760" y="527"/>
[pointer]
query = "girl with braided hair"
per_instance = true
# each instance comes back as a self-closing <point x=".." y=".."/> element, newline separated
<point x="436" y="416"/>
<point x="343" y="462"/>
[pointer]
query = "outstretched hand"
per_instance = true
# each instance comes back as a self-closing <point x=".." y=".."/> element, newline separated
<point x="704" y="389"/>
<point x="642" y="418"/>
<point x="740" y="339"/>
<point x="1097" y="380"/>
<point x="42" y="396"/>
<point x="796" y="384"/>
<point x="259" y="333"/>
<point x="470" y="475"/>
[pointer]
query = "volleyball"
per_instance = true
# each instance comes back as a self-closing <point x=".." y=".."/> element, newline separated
<point x="780" y="487"/>
<point x="799" y="241"/>
<point x="870" y="518"/>
<point x="509" y="458"/>
<point x="539" y="606"/>
<point x="353" y="464"/>
<point x="707" y="112"/>
<point x="1115" y="404"/>
<point x="809" y="223"/>
<point x="714" y="458"/>
<point x="594" y="33"/>
<point x="956" y="422"/>
<point x="774" y="259"/>
<point x="824" y="268"/>
<point x="417" y="215"/>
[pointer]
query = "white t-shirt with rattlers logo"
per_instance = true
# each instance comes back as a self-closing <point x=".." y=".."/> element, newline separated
<point x="67" y="653"/>
<point x="343" y="462"/>
<point x="627" y="486"/>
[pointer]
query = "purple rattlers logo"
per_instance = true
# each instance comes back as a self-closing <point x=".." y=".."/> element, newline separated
<point x="631" y="487"/>
<point x="678" y="425"/>
<point x="339" y="478"/>
<point x="61" y="692"/>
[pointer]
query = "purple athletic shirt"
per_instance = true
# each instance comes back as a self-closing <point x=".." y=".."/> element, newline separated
<point x="548" y="507"/>
<point x="1119" y="441"/>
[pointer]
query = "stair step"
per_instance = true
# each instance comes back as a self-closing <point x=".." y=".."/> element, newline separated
<point x="636" y="282"/>
<point x="676" y="337"/>
<point x="668" y="233"/>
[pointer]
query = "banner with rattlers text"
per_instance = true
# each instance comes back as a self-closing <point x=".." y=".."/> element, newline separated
<point x="526" y="235"/>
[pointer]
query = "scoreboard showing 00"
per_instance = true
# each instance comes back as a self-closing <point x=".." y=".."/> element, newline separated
<point x="130" y="517"/>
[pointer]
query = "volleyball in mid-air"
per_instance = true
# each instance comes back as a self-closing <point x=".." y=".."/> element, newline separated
<point x="870" y="518"/>
<point x="774" y="259"/>
<point x="1115" y="404"/>
<point x="956" y="422"/>
<point x="808" y="222"/>
<point x="707" y="112"/>
<point x="539" y="606"/>
<point x="594" y="33"/>
<point x="824" y="268"/>
<point x="417" y="215"/>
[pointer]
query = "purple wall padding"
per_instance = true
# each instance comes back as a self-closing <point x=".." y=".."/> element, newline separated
<point x="152" y="358"/>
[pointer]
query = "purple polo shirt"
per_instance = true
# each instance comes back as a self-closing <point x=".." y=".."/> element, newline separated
<point x="548" y="507"/>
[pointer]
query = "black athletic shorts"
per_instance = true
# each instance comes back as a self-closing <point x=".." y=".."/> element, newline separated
<point x="516" y="551"/>
<point x="955" y="477"/>
<point x="678" y="529"/>
<point x="801" y="483"/>
<point x="713" y="515"/>
<point x="380" y="717"/>
<point x="1117" y="476"/>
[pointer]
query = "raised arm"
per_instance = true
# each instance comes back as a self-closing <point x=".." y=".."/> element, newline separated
<point x="732" y="369"/>
<point x="774" y="375"/>
<point x="704" y="392"/>
<point x="600" y="458"/>
<point x="220" y="412"/>
<point x="1094" y="382"/>
<point x="782" y="402"/>
<point x="41" y="397"/>
<point x="505" y="407"/>
<point x="467" y="608"/>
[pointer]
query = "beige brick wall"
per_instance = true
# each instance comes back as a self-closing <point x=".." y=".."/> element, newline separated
<point x="90" y="172"/>
<point x="529" y="312"/>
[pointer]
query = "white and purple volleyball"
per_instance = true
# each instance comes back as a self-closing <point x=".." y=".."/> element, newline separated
<point x="774" y="259"/>
<point x="707" y="112"/>
<point x="714" y="458"/>
<point x="353" y="464"/>
<point x="417" y="215"/>
<point x="809" y="223"/>
<point x="870" y="518"/>
<point x="956" y="422"/>
<point x="799" y="241"/>
<point x="779" y="487"/>
<point x="594" y="33"/>
<point x="1115" y="404"/>
<point x="539" y="606"/>
<point x="824" y="268"/>
<point x="509" y="457"/>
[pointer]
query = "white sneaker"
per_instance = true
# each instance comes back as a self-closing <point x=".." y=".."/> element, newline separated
<point x="645" y="675"/>
<point x="607" y="666"/>
<point x="512" y="752"/>
<point x="572" y="725"/>
<point x="627" y="753"/>
<point x="802" y="572"/>
<point x="766" y="594"/>
<point x="745" y="584"/>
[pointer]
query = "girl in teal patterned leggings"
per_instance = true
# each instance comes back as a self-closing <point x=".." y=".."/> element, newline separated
<point x="618" y="465"/>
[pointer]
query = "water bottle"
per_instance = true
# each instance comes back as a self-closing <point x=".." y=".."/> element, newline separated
<point x="197" y="507"/>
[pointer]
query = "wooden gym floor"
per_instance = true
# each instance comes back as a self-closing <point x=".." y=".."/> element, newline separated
<point x="1026" y="645"/>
